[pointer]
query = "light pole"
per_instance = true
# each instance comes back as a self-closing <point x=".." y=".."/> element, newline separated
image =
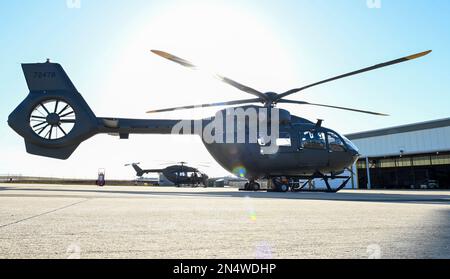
<point x="369" y="183"/>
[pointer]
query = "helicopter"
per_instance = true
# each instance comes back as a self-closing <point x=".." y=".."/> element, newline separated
<point x="54" y="119"/>
<point x="179" y="174"/>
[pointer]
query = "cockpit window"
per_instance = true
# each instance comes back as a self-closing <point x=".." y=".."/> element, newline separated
<point x="312" y="140"/>
<point x="335" y="143"/>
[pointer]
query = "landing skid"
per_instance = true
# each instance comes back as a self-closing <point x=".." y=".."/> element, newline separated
<point x="325" y="179"/>
<point x="285" y="184"/>
<point x="252" y="186"/>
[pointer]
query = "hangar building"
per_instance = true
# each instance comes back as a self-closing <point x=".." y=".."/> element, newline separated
<point x="404" y="157"/>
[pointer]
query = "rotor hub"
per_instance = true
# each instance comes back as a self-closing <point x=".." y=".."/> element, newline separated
<point x="272" y="98"/>
<point x="53" y="119"/>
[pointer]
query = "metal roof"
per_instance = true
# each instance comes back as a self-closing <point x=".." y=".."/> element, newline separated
<point x="401" y="129"/>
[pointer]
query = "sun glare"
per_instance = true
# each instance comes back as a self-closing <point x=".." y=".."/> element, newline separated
<point x="223" y="39"/>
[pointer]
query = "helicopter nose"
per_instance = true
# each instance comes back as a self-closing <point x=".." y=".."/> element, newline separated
<point x="354" y="155"/>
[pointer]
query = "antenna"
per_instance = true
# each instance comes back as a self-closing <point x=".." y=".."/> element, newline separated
<point x="129" y="164"/>
<point x="319" y="122"/>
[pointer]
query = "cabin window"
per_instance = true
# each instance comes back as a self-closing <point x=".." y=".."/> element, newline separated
<point x="335" y="143"/>
<point x="284" y="139"/>
<point x="312" y="140"/>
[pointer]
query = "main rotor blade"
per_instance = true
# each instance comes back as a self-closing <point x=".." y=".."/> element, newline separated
<point x="396" y="61"/>
<point x="238" y="102"/>
<point x="231" y="82"/>
<point x="328" y="106"/>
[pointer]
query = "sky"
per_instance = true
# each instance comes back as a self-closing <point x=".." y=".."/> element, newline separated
<point x="104" y="46"/>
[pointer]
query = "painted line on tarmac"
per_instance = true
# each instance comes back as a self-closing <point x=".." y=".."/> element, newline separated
<point x="42" y="214"/>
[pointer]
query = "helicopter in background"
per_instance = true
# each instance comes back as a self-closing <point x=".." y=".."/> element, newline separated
<point x="179" y="174"/>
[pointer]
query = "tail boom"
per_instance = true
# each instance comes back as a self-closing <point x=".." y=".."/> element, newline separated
<point x="42" y="113"/>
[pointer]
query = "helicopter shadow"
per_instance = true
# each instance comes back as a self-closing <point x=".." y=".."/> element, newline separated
<point x="321" y="196"/>
<point x="430" y="242"/>
<point x="441" y="241"/>
<point x="344" y="196"/>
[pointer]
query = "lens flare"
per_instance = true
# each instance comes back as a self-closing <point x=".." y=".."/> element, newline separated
<point x="240" y="171"/>
<point x="253" y="216"/>
<point x="263" y="250"/>
<point x="250" y="209"/>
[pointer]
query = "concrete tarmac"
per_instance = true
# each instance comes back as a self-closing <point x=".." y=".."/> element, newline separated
<point x="56" y="221"/>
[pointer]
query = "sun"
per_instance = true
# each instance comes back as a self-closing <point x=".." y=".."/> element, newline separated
<point x="231" y="40"/>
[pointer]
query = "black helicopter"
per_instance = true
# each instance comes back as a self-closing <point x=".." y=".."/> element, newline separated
<point x="179" y="174"/>
<point x="54" y="119"/>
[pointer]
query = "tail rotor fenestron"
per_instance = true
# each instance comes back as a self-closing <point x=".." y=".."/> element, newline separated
<point x="52" y="119"/>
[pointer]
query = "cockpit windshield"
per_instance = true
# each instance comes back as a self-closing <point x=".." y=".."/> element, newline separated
<point x="350" y="144"/>
<point x="335" y="143"/>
